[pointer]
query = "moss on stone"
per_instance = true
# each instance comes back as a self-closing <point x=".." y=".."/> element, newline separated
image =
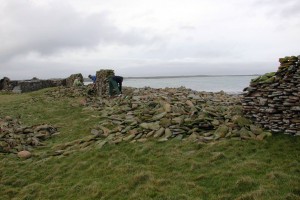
<point x="288" y="59"/>
<point x="264" y="78"/>
<point x="242" y="121"/>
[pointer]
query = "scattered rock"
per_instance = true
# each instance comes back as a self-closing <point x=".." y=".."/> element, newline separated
<point x="170" y="113"/>
<point x="15" y="137"/>
<point x="159" y="132"/>
<point x="24" y="154"/>
<point x="221" y="131"/>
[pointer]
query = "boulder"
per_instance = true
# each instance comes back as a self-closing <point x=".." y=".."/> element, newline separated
<point x="24" y="154"/>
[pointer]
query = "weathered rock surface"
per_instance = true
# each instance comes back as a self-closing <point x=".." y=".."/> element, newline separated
<point x="24" y="154"/>
<point x="273" y="100"/>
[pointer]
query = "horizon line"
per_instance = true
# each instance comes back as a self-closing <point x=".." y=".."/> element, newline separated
<point x="185" y="76"/>
<point x="156" y="77"/>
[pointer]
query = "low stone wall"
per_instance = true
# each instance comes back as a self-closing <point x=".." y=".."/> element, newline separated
<point x="33" y="85"/>
<point x="29" y="85"/>
<point x="273" y="100"/>
<point x="36" y="84"/>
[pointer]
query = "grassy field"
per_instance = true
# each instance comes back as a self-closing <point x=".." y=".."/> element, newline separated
<point x="227" y="169"/>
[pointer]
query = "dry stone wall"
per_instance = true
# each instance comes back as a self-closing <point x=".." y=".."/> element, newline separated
<point x="29" y="86"/>
<point x="102" y="85"/>
<point x="36" y="84"/>
<point x="273" y="100"/>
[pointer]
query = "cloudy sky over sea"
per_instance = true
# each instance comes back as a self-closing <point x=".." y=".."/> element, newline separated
<point x="54" y="38"/>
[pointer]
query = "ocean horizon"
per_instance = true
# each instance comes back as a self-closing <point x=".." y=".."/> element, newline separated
<point x="208" y="83"/>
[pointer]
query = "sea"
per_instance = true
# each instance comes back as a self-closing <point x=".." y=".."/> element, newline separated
<point x="229" y="84"/>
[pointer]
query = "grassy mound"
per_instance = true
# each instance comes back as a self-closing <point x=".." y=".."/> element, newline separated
<point x="226" y="169"/>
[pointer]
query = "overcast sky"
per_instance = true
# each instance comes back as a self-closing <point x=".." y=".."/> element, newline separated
<point x="54" y="38"/>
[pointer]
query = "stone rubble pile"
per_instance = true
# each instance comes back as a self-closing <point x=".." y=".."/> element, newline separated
<point x="164" y="114"/>
<point x="169" y="113"/>
<point x="273" y="100"/>
<point x="102" y="82"/>
<point x="15" y="137"/>
<point x="69" y="92"/>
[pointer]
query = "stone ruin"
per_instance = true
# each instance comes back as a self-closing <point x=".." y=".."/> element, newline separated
<point x="70" y="80"/>
<point x="33" y="85"/>
<point x="102" y="86"/>
<point x="28" y="85"/>
<point x="36" y="84"/>
<point x="7" y="85"/>
<point x="4" y="83"/>
<point x="273" y="100"/>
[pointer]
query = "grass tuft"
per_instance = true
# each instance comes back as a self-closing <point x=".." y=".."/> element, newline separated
<point x="140" y="179"/>
<point x="276" y="175"/>
<point x="291" y="196"/>
<point x="217" y="156"/>
<point x="246" y="183"/>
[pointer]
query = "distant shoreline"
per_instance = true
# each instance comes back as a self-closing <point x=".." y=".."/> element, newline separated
<point x="181" y="76"/>
<point x="150" y="77"/>
<point x="188" y="76"/>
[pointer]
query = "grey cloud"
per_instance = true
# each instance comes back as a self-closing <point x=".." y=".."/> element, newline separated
<point x="285" y="9"/>
<point x="208" y="50"/>
<point x="200" y="68"/>
<point x="28" y="28"/>
<point x="188" y="28"/>
<point x="132" y="68"/>
<point x="292" y="10"/>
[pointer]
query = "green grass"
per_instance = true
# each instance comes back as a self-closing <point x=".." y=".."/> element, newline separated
<point x="228" y="169"/>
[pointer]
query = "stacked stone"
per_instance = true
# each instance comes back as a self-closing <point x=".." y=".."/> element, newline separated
<point x="5" y="84"/>
<point x="29" y="85"/>
<point x="70" y="80"/>
<point x="14" y="137"/>
<point x="71" y="92"/>
<point x="102" y="85"/>
<point x="34" y="85"/>
<point x="273" y="100"/>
